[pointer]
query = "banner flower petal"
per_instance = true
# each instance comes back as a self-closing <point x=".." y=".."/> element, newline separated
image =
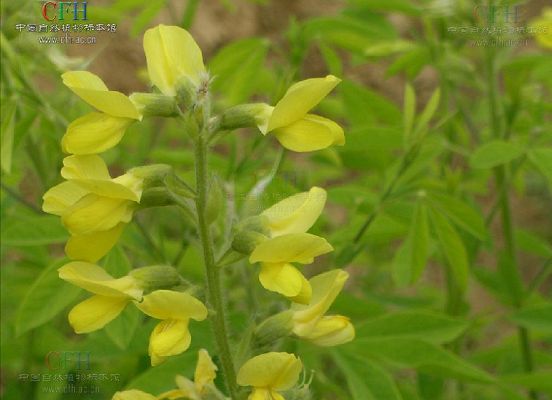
<point x="172" y="53"/>
<point x="93" y="90"/>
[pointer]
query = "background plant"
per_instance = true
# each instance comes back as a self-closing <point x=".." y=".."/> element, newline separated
<point x="449" y="287"/>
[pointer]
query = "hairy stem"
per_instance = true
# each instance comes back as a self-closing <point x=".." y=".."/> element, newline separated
<point x="214" y="288"/>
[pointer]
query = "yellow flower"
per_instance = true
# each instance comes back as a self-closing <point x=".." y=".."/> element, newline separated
<point x="288" y="221"/>
<point x="93" y="206"/>
<point x="543" y="28"/>
<point x="97" y="131"/>
<point x="171" y="336"/>
<point x="276" y="255"/>
<point x="309" y="321"/>
<point x="172" y="55"/>
<point x="133" y="395"/>
<point x="269" y="374"/>
<point x="293" y="126"/>
<point x="297" y="213"/>
<point x="205" y="374"/>
<point x="111" y="295"/>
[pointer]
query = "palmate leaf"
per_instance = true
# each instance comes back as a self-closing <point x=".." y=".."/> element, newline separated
<point x="495" y="153"/>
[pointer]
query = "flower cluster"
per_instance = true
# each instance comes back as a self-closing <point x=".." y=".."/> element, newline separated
<point x="94" y="207"/>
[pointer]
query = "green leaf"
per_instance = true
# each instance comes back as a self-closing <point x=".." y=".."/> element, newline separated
<point x="462" y="214"/>
<point x="427" y="114"/>
<point x="8" y="131"/>
<point x="117" y="263"/>
<point x="366" y="106"/>
<point x="161" y="378"/>
<point x="541" y="158"/>
<point x="388" y="47"/>
<point x="47" y="296"/>
<point x="411" y="259"/>
<point x="453" y="248"/>
<point x="532" y="243"/>
<point x="536" y="317"/>
<point x="433" y="327"/>
<point x="366" y="380"/>
<point x="33" y="231"/>
<point x="495" y="153"/>
<point x="536" y="380"/>
<point x="122" y="329"/>
<point x="415" y="353"/>
<point x="409" y="110"/>
<point x="234" y="65"/>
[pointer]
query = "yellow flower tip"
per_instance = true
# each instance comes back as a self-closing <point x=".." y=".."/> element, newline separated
<point x="206" y="370"/>
<point x="96" y="280"/>
<point x="133" y="395"/>
<point x="297" y="213"/>
<point x="93" y="246"/>
<point x="285" y="279"/>
<point x="92" y="89"/>
<point x="543" y="28"/>
<point x="171" y="54"/>
<point x="270" y="372"/>
<point x="95" y="312"/>
<point x="169" y="304"/>
<point x="170" y="337"/>
<point x="293" y="247"/>
<point x="332" y="331"/>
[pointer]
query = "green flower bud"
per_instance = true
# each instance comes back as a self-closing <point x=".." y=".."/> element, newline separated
<point x="156" y="277"/>
<point x="245" y="241"/>
<point x="274" y="328"/>
<point x="155" y="104"/>
<point x="244" y="116"/>
<point x="186" y="92"/>
<point x="256" y="223"/>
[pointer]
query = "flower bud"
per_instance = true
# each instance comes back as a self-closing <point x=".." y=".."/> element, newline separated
<point x="244" y="116"/>
<point x="155" y="104"/>
<point x="186" y="92"/>
<point x="156" y="277"/>
<point x="245" y="241"/>
<point x="274" y="328"/>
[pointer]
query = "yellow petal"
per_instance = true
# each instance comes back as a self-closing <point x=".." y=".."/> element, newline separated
<point x="94" y="133"/>
<point x="110" y="189"/>
<point x="285" y="279"/>
<point x="264" y="394"/>
<point x="300" y="99"/>
<point x="60" y="197"/>
<point x="95" y="213"/>
<point x="206" y="370"/>
<point x="325" y="288"/>
<point x="133" y="395"/>
<point x="93" y="246"/>
<point x="96" y="280"/>
<point x="94" y="313"/>
<point x="276" y="371"/>
<point x="168" y="304"/>
<point x="331" y="331"/>
<point x="92" y="89"/>
<point x="310" y="133"/>
<point x="171" y="53"/>
<point x="186" y="386"/>
<point x="542" y="26"/>
<point x="293" y="247"/>
<point x="173" y="395"/>
<point x="170" y="337"/>
<point x="297" y="213"/>
<point x="85" y="167"/>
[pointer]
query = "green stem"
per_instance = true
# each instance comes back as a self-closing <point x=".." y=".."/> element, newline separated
<point x="505" y="209"/>
<point x="214" y="289"/>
